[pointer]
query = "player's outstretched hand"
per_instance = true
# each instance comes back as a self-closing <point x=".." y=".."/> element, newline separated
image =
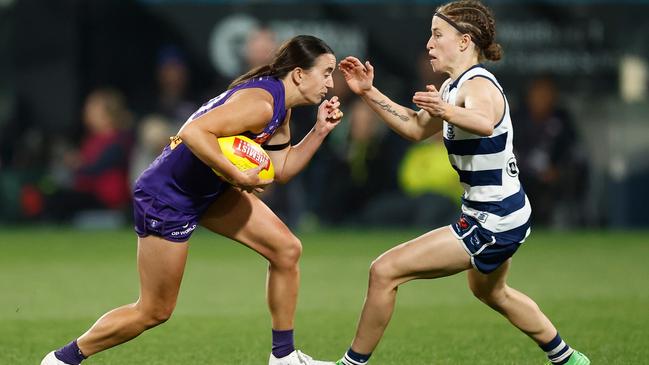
<point x="430" y="101"/>
<point x="359" y="77"/>
<point x="329" y="115"/>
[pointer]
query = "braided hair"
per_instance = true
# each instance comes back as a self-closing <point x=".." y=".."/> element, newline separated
<point x="477" y="20"/>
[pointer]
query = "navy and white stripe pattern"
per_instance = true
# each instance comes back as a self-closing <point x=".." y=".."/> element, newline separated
<point x="557" y="350"/>
<point x="487" y="166"/>
<point x="353" y="358"/>
<point x="346" y="360"/>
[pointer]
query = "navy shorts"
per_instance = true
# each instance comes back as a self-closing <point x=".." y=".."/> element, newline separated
<point x="488" y="250"/>
<point x="153" y="217"/>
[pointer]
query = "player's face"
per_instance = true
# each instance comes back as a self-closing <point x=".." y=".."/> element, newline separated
<point x="443" y="45"/>
<point x="317" y="80"/>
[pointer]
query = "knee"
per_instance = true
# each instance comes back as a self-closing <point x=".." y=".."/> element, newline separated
<point x="156" y="315"/>
<point x="382" y="273"/>
<point x="495" y="298"/>
<point x="287" y="255"/>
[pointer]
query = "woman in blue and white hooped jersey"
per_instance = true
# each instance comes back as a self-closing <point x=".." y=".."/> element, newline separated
<point x="472" y="113"/>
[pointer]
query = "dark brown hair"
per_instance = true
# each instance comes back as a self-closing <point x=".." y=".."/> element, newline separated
<point x="299" y="51"/>
<point x="477" y="20"/>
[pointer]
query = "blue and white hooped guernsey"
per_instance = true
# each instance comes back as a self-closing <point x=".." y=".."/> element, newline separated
<point x="487" y="168"/>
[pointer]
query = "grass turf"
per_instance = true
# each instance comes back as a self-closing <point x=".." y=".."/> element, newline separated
<point x="56" y="283"/>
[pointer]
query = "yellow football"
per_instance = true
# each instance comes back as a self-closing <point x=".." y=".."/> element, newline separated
<point x="245" y="154"/>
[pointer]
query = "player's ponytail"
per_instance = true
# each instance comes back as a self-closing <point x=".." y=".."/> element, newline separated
<point x="299" y="51"/>
<point x="493" y="52"/>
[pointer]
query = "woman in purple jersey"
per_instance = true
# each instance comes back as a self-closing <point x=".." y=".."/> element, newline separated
<point x="180" y="191"/>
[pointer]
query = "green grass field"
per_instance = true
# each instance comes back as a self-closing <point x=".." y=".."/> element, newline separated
<point x="56" y="283"/>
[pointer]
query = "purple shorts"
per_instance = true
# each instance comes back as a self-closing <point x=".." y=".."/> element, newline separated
<point x="153" y="217"/>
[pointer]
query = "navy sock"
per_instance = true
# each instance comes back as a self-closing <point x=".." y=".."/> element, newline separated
<point x="354" y="358"/>
<point x="282" y="343"/>
<point x="558" y="351"/>
<point x="70" y="354"/>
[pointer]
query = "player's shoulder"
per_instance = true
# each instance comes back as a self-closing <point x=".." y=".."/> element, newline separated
<point x="252" y="94"/>
<point x="481" y="83"/>
<point x="254" y="100"/>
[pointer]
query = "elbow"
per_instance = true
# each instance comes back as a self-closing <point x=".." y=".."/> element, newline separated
<point x="281" y="178"/>
<point x="411" y="135"/>
<point x="485" y="132"/>
<point x="417" y="136"/>
<point x="485" y="129"/>
<point x="186" y="134"/>
<point x="190" y="135"/>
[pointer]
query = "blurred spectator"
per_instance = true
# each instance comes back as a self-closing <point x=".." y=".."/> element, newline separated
<point x="287" y="201"/>
<point x="431" y="185"/>
<point x="552" y="162"/>
<point x="363" y="171"/>
<point x="99" y="168"/>
<point x="374" y="152"/>
<point x="23" y="158"/>
<point x="152" y="135"/>
<point x="339" y="137"/>
<point x="407" y="184"/>
<point x="323" y="204"/>
<point x="259" y="48"/>
<point x="172" y="76"/>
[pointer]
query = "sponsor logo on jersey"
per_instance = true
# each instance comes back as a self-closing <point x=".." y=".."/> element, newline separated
<point x="512" y="168"/>
<point x="450" y="131"/>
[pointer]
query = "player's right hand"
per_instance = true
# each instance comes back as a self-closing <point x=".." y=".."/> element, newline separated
<point x="359" y="77"/>
<point x="329" y="115"/>
<point x="431" y="101"/>
<point x="250" y="181"/>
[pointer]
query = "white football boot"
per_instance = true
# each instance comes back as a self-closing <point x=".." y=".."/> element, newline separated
<point x="296" y="357"/>
<point x="50" y="359"/>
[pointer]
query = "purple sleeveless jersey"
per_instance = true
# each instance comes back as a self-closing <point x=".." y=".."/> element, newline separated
<point x="179" y="183"/>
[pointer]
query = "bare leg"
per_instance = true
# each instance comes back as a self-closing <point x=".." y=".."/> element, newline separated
<point x="161" y="265"/>
<point x="435" y="254"/>
<point x="518" y="308"/>
<point x="246" y="219"/>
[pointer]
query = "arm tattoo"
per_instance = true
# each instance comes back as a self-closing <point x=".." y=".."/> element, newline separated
<point x="385" y="106"/>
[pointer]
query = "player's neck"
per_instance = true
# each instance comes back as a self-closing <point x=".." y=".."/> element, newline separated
<point x="292" y="96"/>
<point x="458" y="69"/>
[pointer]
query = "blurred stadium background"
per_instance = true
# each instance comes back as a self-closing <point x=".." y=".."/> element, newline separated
<point x="583" y="63"/>
<point x="576" y="76"/>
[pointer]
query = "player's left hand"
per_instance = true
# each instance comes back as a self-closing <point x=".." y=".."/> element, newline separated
<point x="431" y="101"/>
<point x="329" y="115"/>
<point x="249" y="181"/>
